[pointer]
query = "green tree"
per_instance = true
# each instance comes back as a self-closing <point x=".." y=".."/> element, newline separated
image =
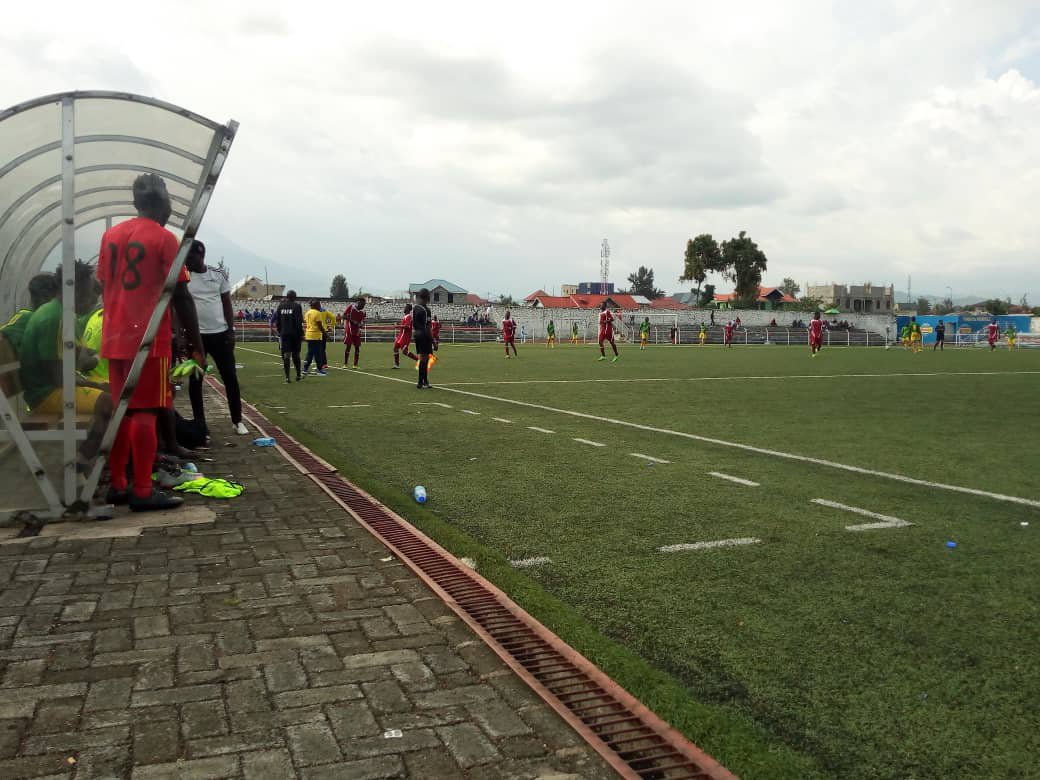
<point x="924" y="306"/>
<point x="809" y="304"/>
<point x="996" y="306"/>
<point x="744" y="263"/>
<point x="707" y="295"/>
<point x="339" y="287"/>
<point x="790" y="287"/>
<point x="506" y="300"/>
<point x="945" y="306"/>
<point x="642" y="283"/>
<point x="702" y="257"/>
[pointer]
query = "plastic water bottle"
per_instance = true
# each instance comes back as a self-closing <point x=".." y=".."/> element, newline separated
<point x="264" y="441"/>
<point x="419" y="494"/>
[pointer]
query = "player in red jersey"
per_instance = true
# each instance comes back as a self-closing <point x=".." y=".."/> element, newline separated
<point x="727" y="333"/>
<point x="992" y="334"/>
<point x="509" y="334"/>
<point x="404" y="337"/>
<point x="135" y="258"/>
<point x="815" y="334"/>
<point x="353" y="322"/>
<point x="435" y="332"/>
<point x="606" y="332"/>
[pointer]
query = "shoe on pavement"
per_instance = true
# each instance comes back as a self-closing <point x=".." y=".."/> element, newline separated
<point x="169" y="479"/>
<point x="117" y="497"/>
<point x="241" y="429"/>
<point x="157" y="501"/>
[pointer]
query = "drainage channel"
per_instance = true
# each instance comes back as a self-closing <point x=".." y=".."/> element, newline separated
<point x="631" y="738"/>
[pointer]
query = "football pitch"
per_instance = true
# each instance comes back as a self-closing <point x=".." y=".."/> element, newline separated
<point x="812" y="567"/>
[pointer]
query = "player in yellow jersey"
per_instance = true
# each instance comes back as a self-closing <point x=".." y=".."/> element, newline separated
<point x="915" y="335"/>
<point x="574" y="333"/>
<point x="703" y="335"/>
<point x="644" y="333"/>
<point x="550" y="335"/>
<point x="1012" y="336"/>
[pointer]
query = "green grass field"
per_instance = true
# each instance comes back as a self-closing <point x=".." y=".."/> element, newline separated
<point x="815" y="650"/>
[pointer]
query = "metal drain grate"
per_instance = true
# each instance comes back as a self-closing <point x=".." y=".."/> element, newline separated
<point x="631" y="738"/>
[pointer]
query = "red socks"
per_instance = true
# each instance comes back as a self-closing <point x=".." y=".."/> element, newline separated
<point x="136" y="435"/>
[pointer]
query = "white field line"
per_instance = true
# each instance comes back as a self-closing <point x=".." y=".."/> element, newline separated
<point x="738" y="480"/>
<point x="347" y="406"/>
<point x="647" y="457"/>
<point x="469" y="411"/>
<point x="734" y="445"/>
<point x="526" y="563"/>
<point x="727" y="378"/>
<point x="432" y="403"/>
<point x="590" y="443"/>
<point x="708" y="545"/>
<point x="540" y="430"/>
<point x="502" y="420"/>
<point x="885" y="521"/>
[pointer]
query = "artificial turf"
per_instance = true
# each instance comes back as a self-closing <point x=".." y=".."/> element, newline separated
<point x="816" y="651"/>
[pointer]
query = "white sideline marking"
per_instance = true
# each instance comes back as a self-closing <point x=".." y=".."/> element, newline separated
<point x="887" y="521"/>
<point x="708" y="545"/>
<point x="725" y="378"/>
<point x="590" y="443"/>
<point x="502" y="420"/>
<point x="647" y="457"/>
<point x="348" y="406"/>
<point x="540" y="430"/>
<point x="738" y="480"/>
<point x="526" y="563"/>
<point x="469" y="411"/>
<point x="432" y="403"/>
<point x="737" y="445"/>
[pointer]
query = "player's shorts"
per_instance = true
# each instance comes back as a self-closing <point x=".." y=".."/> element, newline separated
<point x="606" y="335"/>
<point x="815" y="341"/>
<point x="352" y="338"/>
<point x="509" y="339"/>
<point x="153" y="389"/>
<point x="992" y="341"/>
<point x="289" y="343"/>
<point x="86" y="400"/>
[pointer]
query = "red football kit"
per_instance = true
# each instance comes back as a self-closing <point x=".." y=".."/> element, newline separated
<point x="353" y="321"/>
<point x="816" y="331"/>
<point x="435" y="329"/>
<point x="134" y="260"/>
<point x="993" y="333"/>
<point x="404" y="335"/>
<point x="728" y="331"/>
<point x="508" y="331"/>
<point x="606" y="326"/>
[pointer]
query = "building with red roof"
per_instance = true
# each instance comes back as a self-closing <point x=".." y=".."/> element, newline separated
<point x="621" y="301"/>
<point x="768" y="298"/>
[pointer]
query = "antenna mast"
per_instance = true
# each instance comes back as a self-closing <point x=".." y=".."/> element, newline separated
<point x="604" y="266"/>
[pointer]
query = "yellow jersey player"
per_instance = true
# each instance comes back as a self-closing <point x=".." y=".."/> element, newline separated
<point x="550" y="335"/>
<point x="915" y="335"/>
<point x="1012" y="336"/>
<point x="644" y="333"/>
<point x="574" y="333"/>
<point x="703" y="336"/>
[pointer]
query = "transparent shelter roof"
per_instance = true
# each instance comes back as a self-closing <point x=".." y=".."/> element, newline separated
<point x="117" y="136"/>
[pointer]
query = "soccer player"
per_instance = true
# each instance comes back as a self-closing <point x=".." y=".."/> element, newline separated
<point x="329" y="321"/>
<point x="353" y="322"/>
<point x="421" y="318"/>
<point x="644" y="333"/>
<point x="550" y="335"/>
<point x="42" y="289"/>
<point x="314" y="335"/>
<point x="509" y="334"/>
<point x="940" y="336"/>
<point x="703" y="335"/>
<point x="1012" y="336"/>
<point x="993" y="334"/>
<point x="404" y="338"/>
<point x="287" y="322"/>
<point x="606" y="332"/>
<point x="135" y="258"/>
<point x="815" y="334"/>
<point x="904" y="336"/>
<point x="915" y="335"/>
<point x="574" y="333"/>
<point x="435" y="332"/>
<point x="727" y="333"/>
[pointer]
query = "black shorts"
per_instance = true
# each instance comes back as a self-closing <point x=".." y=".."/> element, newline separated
<point x="940" y="337"/>
<point x="290" y="343"/>
<point x="424" y="345"/>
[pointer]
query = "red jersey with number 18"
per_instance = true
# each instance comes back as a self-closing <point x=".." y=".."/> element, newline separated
<point x="134" y="260"/>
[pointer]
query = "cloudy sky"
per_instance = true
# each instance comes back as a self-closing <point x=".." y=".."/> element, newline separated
<point x="497" y="144"/>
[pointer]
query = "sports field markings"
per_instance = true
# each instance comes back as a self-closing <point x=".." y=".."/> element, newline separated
<point x="432" y="403"/>
<point x="345" y="406"/>
<point x="732" y="444"/>
<point x="741" y="542"/>
<point x="527" y="563"/>
<point x="738" y="480"/>
<point x="590" y="443"/>
<point x="502" y="420"/>
<point x="540" y="430"/>
<point x="884" y="521"/>
<point x="448" y="385"/>
<point x="469" y="411"/>
<point x="647" y="457"/>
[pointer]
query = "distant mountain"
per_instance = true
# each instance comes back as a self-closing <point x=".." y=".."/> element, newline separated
<point x="958" y="300"/>
<point x="241" y="263"/>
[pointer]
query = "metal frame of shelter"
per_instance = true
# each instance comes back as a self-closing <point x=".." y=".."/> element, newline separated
<point x="56" y="181"/>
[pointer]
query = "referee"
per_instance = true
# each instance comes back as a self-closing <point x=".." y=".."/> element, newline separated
<point x="421" y="319"/>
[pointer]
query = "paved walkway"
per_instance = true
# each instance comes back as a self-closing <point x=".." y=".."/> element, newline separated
<point x="273" y="638"/>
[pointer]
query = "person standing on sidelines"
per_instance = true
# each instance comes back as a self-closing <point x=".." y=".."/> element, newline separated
<point x="328" y="319"/>
<point x="421" y="319"/>
<point x="135" y="258"/>
<point x="314" y="335"/>
<point x="940" y="336"/>
<point x="287" y="322"/>
<point x="606" y="332"/>
<point x="210" y="289"/>
<point x="353" y="322"/>
<point x="509" y="334"/>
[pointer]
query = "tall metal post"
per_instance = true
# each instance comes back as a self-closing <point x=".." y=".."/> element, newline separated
<point x="68" y="295"/>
